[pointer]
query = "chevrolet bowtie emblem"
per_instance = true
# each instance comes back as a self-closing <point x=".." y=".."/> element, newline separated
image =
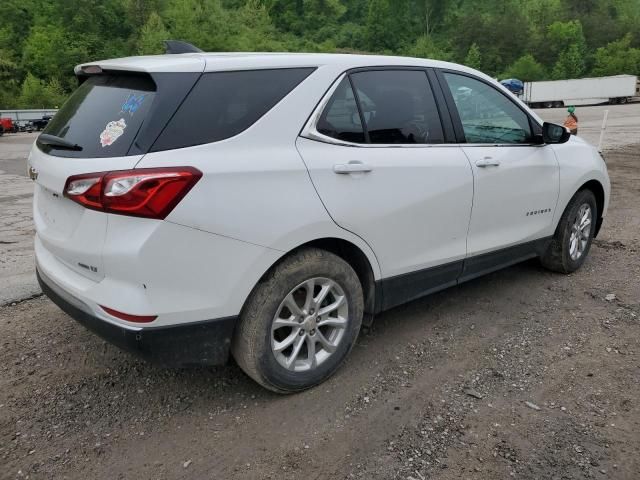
<point x="33" y="173"/>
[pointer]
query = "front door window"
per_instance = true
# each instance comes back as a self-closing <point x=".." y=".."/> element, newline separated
<point x="487" y="115"/>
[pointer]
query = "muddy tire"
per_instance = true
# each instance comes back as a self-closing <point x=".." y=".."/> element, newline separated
<point x="300" y="322"/>
<point x="573" y="237"/>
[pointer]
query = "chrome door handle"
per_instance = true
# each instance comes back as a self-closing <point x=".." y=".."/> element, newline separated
<point x="351" y="167"/>
<point x="487" y="162"/>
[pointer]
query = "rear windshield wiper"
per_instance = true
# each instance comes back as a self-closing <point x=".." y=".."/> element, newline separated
<point x="58" y="142"/>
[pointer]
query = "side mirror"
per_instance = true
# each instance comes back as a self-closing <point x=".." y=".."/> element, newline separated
<point x="553" y="133"/>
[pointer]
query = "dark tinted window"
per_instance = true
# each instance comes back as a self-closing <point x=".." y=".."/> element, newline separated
<point x="103" y="116"/>
<point x="340" y="118"/>
<point x="398" y="107"/>
<point x="223" y="104"/>
<point x="487" y="115"/>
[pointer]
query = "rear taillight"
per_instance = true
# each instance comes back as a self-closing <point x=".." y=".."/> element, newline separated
<point x="144" y="192"/>
<point x="128" y="317"/>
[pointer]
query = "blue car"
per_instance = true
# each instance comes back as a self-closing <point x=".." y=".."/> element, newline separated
<point x="514" y="85"/>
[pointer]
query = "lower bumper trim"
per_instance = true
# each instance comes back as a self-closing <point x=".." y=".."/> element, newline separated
<point x="201" y="343"/>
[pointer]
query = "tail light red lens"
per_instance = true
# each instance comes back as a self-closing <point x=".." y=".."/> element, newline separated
<point x="144" y="192"/>
<point x="128" y="317"/>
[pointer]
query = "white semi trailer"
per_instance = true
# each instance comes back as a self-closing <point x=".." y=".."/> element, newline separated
<point x="583" y="91"/>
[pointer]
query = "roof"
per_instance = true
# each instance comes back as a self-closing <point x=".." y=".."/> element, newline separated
<point x="199" y="62"/>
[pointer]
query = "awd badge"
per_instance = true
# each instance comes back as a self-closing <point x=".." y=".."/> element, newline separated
<point x="33" y="173"/>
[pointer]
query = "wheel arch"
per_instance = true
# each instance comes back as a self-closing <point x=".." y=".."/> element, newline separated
<point x="598" y="191"/>
<point x="356" y="258"/>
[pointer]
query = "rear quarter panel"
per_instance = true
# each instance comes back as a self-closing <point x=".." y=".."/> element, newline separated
<point x="255" y="186"/>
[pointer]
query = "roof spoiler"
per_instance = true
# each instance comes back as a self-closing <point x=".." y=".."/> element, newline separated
<point x="178" y="46"/>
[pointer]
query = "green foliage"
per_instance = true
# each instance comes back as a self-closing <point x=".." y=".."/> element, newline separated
<point x="55" y="93"/>
<point x="616" y="58"/>
<point x="379" y="26"/>
<point x="562" y="34"/>
<point x="152" y="35"/>
<point x="9" y="70"/>
<point x="499" y="28"/>
<point x="426" y="47"/>
<point x="33" y="93"/>
<point x="42" y="40"/>
<point x="46" y="52"/>
<point x="570" y="63"/>
<point x="563" y="44"/>
<point x="474" y="57"/>
<point x="527" y="69"/>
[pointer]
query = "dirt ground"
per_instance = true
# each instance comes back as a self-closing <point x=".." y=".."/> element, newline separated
<point x="521" y="374"/>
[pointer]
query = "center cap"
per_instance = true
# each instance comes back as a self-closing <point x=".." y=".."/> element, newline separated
<point x="310" y="323"/>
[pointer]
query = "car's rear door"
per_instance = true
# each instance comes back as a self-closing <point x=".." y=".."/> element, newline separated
<point x="516" y="178"/>
<point x="377" y="155"/>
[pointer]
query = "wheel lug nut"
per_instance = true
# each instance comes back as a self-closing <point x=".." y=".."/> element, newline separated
<point x="313" y="332"/>
<point x="312" y="311"/>
<point x="301" y="333"/>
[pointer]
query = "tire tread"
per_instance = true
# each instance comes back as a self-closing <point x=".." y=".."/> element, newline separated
<point x="244" y="347"/>
<point x="557" y="258"/>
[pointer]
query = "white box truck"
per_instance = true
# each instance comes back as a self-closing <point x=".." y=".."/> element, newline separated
<point x="582" y="91"/>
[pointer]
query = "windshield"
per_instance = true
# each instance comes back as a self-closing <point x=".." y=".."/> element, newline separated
<point x="102" y="116"/>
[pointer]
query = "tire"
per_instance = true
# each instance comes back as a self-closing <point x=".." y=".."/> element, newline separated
<point x="560" y="256"/>
<point x="258" y="342"/>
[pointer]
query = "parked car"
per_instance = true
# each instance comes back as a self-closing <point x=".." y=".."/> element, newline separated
<point x="268" y="205"/>
<point x="6" y="125"/>
<point x="41" y="123"/>
<point x="23" y="126"/>
<point x="514" y="85"/>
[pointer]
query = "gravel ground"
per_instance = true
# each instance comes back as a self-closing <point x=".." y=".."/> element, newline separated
<point x="623" y="124"/>
<point x="521" y="374"/>
<point x="17" y="274"/>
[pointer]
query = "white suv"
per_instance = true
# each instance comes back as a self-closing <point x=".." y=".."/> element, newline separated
<point x="193" y="206"/>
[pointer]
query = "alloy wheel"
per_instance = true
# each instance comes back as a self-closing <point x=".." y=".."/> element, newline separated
<point x="580" y="232"/>
<point x="309" y="324"/>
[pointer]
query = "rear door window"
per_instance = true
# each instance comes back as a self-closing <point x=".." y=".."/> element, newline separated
<point x="224" y="104"/>
<point x="398" y="107"/>
<point x="102" y="116"/>
<point x="341" y="119"/>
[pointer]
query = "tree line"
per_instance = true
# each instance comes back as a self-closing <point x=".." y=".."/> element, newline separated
<point x="42" y="40"/>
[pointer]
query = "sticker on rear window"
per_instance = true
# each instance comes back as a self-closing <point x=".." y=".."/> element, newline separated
<point x="132" y="103"/>
<point x="112" y="132"/>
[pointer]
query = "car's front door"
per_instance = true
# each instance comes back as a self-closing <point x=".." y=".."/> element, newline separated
<point x="516" y="180"/>
<point x="380" y="165"/>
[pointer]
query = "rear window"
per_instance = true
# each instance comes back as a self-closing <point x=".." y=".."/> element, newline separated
<point x="223" y="104"/>
<point x="103" y="116"/>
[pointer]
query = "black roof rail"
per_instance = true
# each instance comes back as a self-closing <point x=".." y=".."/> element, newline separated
<point x="178" y="46"/>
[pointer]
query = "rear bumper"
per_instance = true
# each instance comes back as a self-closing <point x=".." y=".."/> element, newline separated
<point x="198" y="343"/>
